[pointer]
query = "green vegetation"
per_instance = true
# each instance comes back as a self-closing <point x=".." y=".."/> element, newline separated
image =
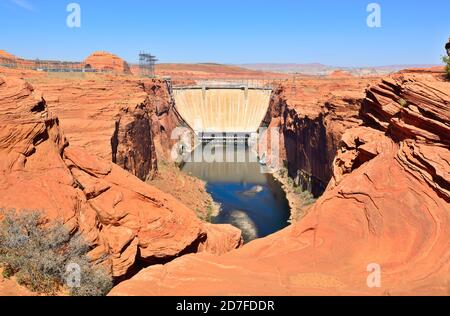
<point x="306" y="197"/>
<point x="403" y="103"/>
<point x="7" y="272"/>
<point x="209" y="213"/>
<point x="39" y="255"/>
<point x="446" y="60"/>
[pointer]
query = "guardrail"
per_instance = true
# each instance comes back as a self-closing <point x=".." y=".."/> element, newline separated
<point x="222" y="87"/>
<point x="48" y="65"/>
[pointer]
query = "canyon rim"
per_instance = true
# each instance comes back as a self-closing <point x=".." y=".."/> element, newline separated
<point x="129" y="174"/>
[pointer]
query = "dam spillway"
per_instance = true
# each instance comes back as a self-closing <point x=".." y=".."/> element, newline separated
<point x="238" y="110"/>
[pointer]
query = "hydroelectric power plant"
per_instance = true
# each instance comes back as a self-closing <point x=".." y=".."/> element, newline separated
<point x="224" y="117"/>
<point x="220" y="111"/>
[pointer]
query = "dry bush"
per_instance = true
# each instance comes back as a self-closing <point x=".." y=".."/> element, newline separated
<point x="38" y="255"/>
<point x="447" y="66"/>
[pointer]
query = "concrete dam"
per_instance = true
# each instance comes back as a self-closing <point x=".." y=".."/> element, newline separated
<point x="217" y="110"/>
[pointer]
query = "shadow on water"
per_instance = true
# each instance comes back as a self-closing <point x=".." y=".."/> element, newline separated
<point x="250" y="199"/>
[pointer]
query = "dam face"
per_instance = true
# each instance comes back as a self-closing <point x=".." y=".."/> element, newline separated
<point x="237" y="110"/>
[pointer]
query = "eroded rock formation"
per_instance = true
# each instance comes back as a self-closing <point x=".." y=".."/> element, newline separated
<point x="124" y="220"/>
<point x="5" y="54"/>
<point x="387" y="206"/>
<point x="128" y="121"/>
<point x="105" y="61"/>
<point x="312" y="115"/>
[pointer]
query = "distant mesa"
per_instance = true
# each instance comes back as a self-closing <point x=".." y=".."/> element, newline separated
<point x="340" y="74"/>
<point x="105" y="61"/>
<point x="96" y="62"/>
<point x="316" y="69"/>
<point x="5" y="54"/>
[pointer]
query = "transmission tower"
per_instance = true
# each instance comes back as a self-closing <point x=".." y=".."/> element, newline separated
<point x="147" y="64"/>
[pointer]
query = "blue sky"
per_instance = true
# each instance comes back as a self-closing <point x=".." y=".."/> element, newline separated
<point x="231" y="31"/>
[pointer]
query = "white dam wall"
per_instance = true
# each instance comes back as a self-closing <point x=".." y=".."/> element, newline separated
<point x="223" y="110"/>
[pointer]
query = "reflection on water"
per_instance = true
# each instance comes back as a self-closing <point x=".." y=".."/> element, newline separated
<point x="251" y="200"/>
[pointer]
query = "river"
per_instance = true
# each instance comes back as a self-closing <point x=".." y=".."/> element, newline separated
<point x="250" y="200"/>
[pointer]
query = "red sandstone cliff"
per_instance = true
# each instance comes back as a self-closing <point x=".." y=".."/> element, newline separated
<point x="5" y="54"/>
<point x="312" y="115"/>
<point x="124" y="220"/>
<point x="388" y="204"/>
<point x="122" y="119"/>
<point x="105" y="61"/>
<point x="128" y="121"/>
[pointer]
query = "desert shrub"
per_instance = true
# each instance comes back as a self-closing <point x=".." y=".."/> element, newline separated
<point x="283" y="172"/>
<point x="290" y="182"/>
<point x="100" y="282"/>
<point x="446" y="60"/>
<point x="209" y="213"/>
<point x="7" y="272"/>
<point x="307" y="198"/>
<point x="298" y="190"/>
<point x="403" y="103"/>
<point x="38" y="254"/>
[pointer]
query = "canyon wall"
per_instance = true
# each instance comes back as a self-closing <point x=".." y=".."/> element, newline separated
<point x="312" y="115"/>
<point x="126" y="222"/>
<point x="128" y="121"/>
<point x="386" y="207"/>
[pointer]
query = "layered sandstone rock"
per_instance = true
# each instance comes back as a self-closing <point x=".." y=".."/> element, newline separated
<point x="5" y="54"/>
<point x="128" y="121"/>
<point x="125" y="120"/>
<point x="387" y="207"/>
<point x="340" y="74"/>
<point x="312" y="115"/>
<point x="105" y="61"/>
<point x="124" y="220"/>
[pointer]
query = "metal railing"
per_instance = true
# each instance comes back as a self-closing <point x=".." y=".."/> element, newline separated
<point x="48" y="65"/>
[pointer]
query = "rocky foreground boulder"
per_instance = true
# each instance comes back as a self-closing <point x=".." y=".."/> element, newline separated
<point x="387" y="206"/>
<point x="124" y="220"/>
